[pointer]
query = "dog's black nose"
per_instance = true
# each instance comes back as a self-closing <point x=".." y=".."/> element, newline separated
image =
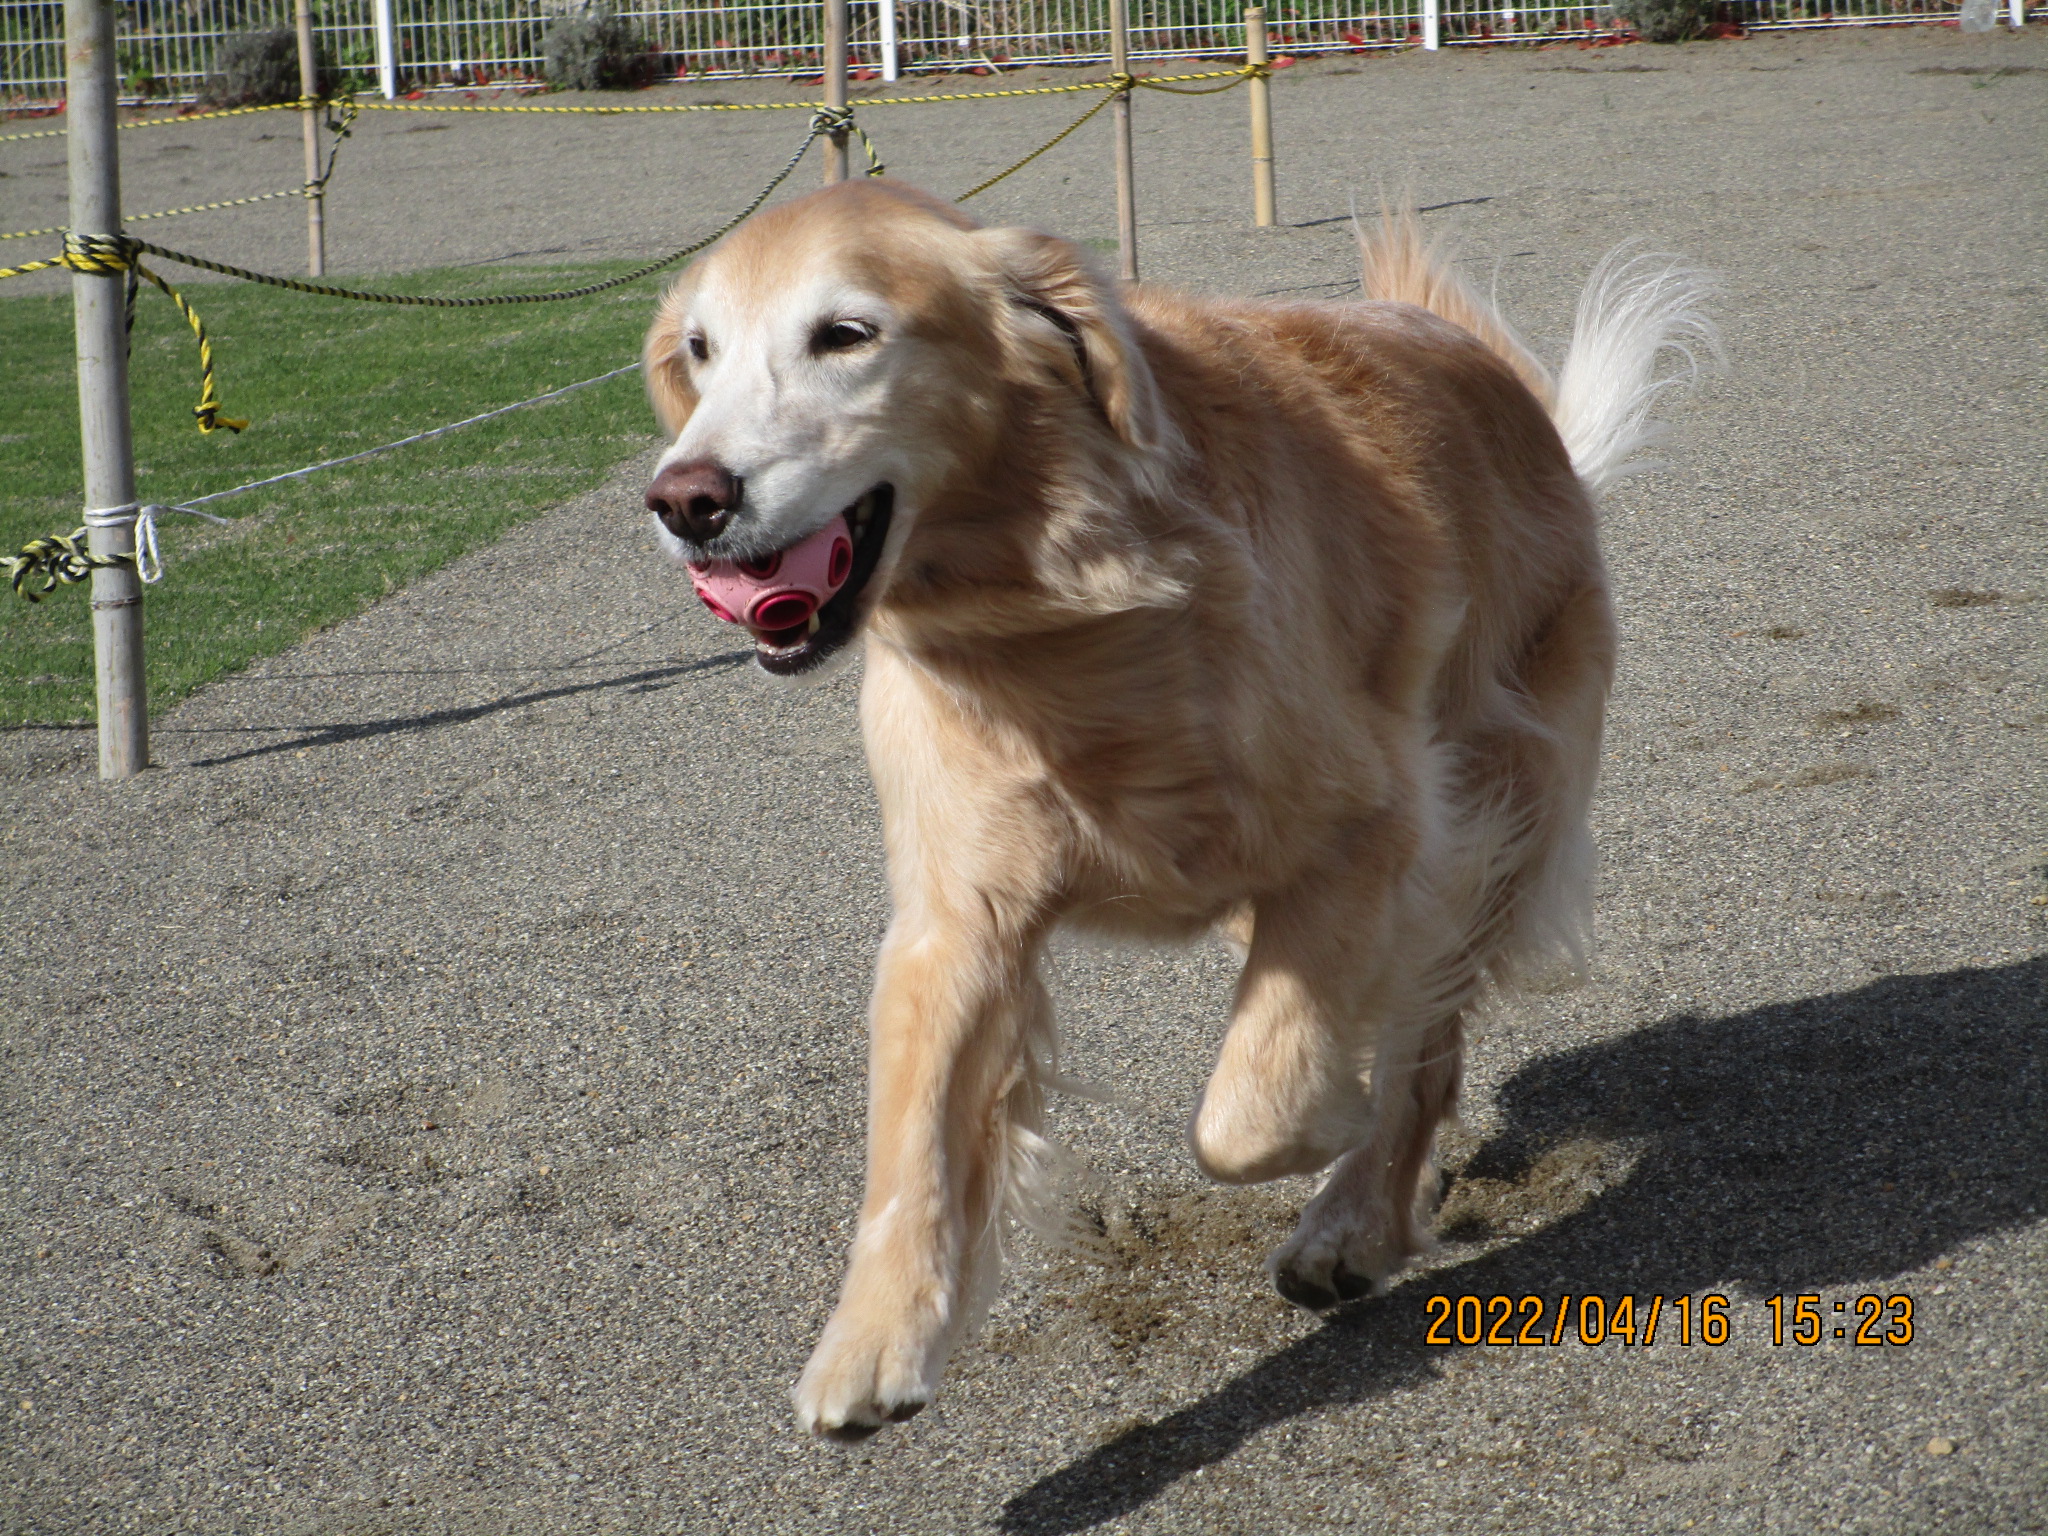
<point x="694" y="501"/>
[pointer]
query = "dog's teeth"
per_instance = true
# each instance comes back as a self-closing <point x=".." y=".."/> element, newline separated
<point x="813" y="625"/>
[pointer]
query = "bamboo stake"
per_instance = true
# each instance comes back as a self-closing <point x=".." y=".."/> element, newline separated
<point x="835" y="86"/>
<point x="1120" y="121"/>
<point x="316" y="197"/>
<point x="102" y="345"/>
<point x="1262" y="118"/>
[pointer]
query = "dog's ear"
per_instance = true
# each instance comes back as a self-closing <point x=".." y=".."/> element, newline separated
<point x="1065" y="311"/>
<point x="662" y="367"/>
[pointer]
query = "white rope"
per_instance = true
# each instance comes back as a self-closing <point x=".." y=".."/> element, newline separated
<point x="149" y="563"/>
<point x="403" y="442"/>
<point x="148" y="558"/>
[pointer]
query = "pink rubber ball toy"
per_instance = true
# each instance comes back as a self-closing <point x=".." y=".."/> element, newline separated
<point x="785" y="590"/>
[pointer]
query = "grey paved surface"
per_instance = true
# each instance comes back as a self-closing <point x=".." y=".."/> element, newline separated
<point x="432" y="1100"/>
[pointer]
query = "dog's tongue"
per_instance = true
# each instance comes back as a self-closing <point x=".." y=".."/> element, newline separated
<point x="776" y="598"/>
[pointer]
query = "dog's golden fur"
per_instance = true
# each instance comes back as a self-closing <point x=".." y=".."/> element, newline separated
<point x="1284" y="617"/>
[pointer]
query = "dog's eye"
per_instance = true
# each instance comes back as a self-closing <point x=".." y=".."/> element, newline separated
<point x="842" y="336"/>
<point x="700" y="349"/>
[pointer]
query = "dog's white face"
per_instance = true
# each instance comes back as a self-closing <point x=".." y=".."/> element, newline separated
<point x="805" y="394"/>
<point x="796" y="392"/>
<point x="850" y="355"/>
<point x="795" y="398"/>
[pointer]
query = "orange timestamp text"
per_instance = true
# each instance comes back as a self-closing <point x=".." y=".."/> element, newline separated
<point x="1643" y="1321"/>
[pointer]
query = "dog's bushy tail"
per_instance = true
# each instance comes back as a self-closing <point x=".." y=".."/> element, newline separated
<point x="1636" y="308"/>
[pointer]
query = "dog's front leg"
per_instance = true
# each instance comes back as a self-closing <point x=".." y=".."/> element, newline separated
<point x="956" y="1003"/>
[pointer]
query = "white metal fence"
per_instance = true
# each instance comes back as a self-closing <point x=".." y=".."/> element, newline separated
<point x="166" y="46"/>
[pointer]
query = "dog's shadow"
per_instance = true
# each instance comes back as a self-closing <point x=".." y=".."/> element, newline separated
<point x="1834" y="1140"/>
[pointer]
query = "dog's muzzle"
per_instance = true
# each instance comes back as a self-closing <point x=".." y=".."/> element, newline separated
<point x="802" y="603"/>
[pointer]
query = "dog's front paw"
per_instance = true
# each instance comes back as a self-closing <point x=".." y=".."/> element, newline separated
<point x="1343" y="1249"/>
<point x="865" y="1374"/>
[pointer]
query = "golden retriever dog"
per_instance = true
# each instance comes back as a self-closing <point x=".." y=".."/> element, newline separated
<point x="1178" y="613"/>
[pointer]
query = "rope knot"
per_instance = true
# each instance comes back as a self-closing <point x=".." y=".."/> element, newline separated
<point x="839" y="120"/>
<point x="58" y="557"/>
<point x="109" y="255"/>
<point x="210" y="419"/>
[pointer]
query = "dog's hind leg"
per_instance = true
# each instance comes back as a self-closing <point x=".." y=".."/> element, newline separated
<point x="1372" y="1215"/>
<point x="1288" y="1094"/>
<point x="1506" y="890"/>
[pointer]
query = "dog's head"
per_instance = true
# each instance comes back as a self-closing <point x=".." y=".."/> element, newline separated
<point x="871" y="352"/>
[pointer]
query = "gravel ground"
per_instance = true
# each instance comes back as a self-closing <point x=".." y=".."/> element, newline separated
<point x="434" y="1097"/>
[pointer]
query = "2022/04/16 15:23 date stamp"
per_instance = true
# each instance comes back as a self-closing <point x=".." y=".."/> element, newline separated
<point x="1644" y="1321"/>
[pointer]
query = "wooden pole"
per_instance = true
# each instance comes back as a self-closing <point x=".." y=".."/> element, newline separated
<point x="316" y="196"/>
<point x="1120" y="115"/>
<point x="102" y="349"/>
<point x="835" y="86"/>
<point x="1262" y="118"/>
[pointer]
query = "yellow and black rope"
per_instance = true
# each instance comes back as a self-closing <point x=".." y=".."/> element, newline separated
<point x="1113" y="84"/>
<point x="168" y="122"/>
<point x="121" y="255"/>
<point x="1118" y="85"/>
<point x="1243" y="72"/>
<point x="339" y="127"/>
<point x="823" y="121"/>
<point x="57" y="557"/>
<point x="1142" y="82"/>
<point x="980" y="187"/>
<point x="172" y="213"/>
<point x="109" y="255"/>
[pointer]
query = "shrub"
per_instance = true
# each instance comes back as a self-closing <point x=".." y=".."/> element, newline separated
<point x="595" y="51"/>
<point x="253" y="69"/>
<point x="1669" y="21"/>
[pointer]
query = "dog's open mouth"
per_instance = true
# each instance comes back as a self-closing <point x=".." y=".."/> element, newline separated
<point x="795" y="648"/>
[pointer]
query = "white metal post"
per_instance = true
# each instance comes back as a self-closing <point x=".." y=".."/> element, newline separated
<point x="835" y="86"/>
<point x="1432" y="30"/>
<point x="1120" y="115"/>
<point x="891" y="68"/>
<point x="2016" y="12"/>
<point x="309" y="119"/>
<point x="387" y="51"/>
<point x="102" y="341"/>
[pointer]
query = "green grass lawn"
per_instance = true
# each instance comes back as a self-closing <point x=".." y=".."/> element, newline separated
<point x="319" y="378"/>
